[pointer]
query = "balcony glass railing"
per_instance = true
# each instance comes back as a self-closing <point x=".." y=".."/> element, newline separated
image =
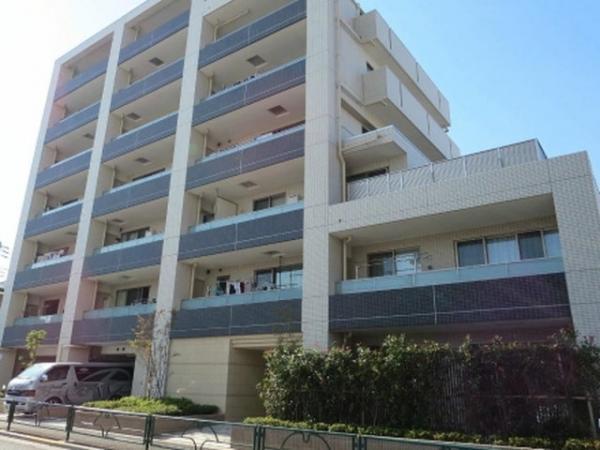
<point x="462" y="167"/>
<point x="120" y="311"/>
<point x="51" y="261"/>
<point x="38" y="320"/>
<point x="60" y="208"/>
<point x="70" y="158"/>
<point x="251" y="142"/>
<point x="128" y="244"/>
<point x="258" y="296"/>
<point x="453" y="275"/>
<point x="138" y="181"/>
<point x="218" y="223"/>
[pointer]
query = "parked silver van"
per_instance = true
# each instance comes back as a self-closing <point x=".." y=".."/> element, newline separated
<point x="69" y="383"/>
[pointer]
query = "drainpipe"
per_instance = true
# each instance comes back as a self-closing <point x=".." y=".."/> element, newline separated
<point x="338" y="99"/>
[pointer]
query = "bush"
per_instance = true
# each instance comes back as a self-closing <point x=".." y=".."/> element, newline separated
<point x="582" y="444"/>
<point x="168" y="406"/>
<point x="450" y="436"/>
<point x="501" y="388"/>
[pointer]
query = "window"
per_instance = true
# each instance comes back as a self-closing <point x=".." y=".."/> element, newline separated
<point x="146" y="175"/>
<point x="120" y="375"/>
<point x="134" y="296"/>
<point x="50" y="307"/>
<point x="81" y="372"/>
<point x="135" y="234"/>
<point x="552" y="244"/>
<point x="381" y="264"/>
<point x="405" y="262"/>
<point x="470" y="253"/>
<point x="97" y="376"/>
<point x="280" y="277"/>
<point x="369" y="174"/>
<point x="502" y="250"/>
<point x="222" y="284"/>
<point x="58" y="373"/>
<point x="264" y="279"/>
<point x="530" y="245"/>
<point x="269" y="202"/>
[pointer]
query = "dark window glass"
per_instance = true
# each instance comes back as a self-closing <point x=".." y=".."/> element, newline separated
<point x="146" y="175"/>
<point x="290" y="276"/>
<point x="120" y="375"/>
<point x="381" y="264"/>
<point x="530" y="245"/>
<point x="222" y="284"/>
<point x="82" y="372"/>
<point x="369" y="174"/>
<point x="264" y="279"/>
<point x="97" y="376"/>
<point x="552" y="243"/>
<point x="135" y="234"/>
<point x="269" y="202"/>
<point x="470" y="253"/>
<point x="50" y="307"/>
<point x="128" y="297"/>
<point x="58" y="373"/>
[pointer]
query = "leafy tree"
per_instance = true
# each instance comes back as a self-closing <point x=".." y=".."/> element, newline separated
<point x="33" y="340"/>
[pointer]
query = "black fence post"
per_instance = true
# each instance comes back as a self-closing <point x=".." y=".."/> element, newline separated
<point x="258" y="443"/>
<point x="148" y="431"/>
<point x="11" y="415"/>
<point x="70" y="421"/>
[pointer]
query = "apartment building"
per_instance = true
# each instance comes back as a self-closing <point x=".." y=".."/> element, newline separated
<point x="246" y="171"/>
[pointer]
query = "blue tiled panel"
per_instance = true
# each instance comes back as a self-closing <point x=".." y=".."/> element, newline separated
<point x="72" y="122"/>
<point x="253" y="32"/>
<point x="144" y="135"/>
<point x="42" y="276"/>
<point x="114" y="329"/>
<point x="251" y="91"/>
<point x="254" y="157"/>
<point x="282" y="316"/>
<point x="14" y="336"/>
<point x="154" y="37"/>
<point x="53" y="221"/>
<point x="83" y="78"/>
<point x="75" y="165"/>
<point x="151" y="83"/>
<point x="267" y="230"/>
<point x="143" y="255"/>
<point x="522" y="298"/>
<point x="137" y="194"/>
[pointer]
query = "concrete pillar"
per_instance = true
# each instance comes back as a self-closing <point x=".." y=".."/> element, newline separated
<point x="81" y="293"/>
<point x="323" y="172"/>
<point x="577" y="205"/>
<point x="175" y="278"/>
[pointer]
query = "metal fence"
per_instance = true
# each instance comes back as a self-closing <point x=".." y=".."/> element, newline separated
<point x="113" y="429"/>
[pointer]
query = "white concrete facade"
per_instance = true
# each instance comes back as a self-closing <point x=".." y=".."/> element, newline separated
<point x="235" y="236"/>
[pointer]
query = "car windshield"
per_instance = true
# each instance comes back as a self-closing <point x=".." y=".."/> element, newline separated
<point x="34" y="372"/>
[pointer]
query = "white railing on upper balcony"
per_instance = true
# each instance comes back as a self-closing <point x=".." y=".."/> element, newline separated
<point x="132" y="243"/>
<point x="51" y="261"/>
<point x="436" y="172"/>
<point x="62" y="161"/>
<point x="60" y="208"/>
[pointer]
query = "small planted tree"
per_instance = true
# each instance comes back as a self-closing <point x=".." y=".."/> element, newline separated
<point x="33" y="340"/>
<point x="142" y="345"/>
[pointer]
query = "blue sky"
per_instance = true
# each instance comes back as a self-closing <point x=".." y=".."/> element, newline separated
<point x="511" y="69"/>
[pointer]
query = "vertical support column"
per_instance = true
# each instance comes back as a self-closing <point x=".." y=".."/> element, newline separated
<point x="322" y="172"/>
<point x="81" y="293"/>
<point x="13" y="304"/>
<point x="175" y="278"/>
<point x="577" y="205"/>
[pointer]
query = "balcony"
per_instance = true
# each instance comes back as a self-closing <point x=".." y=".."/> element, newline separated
<point x="387" y="98"/>
<point x="253" y="90"/>
<point x="54" y="219"/>
<point x="154" y="131"/>
<point x="253" y="32"/>
<point x="52" y="271"/>
<point x="150" y="83"/>
<point x="109" y="324"/>
<point x="160" y="33"/>
<point x="124" y="256"/>
<point x="268" y="226"/>
<point x="131" y="194"/>
<point x="466" y="166"/>
<point x="82" y="79"/>
<point x="253" y="155"/>
<point x="389" y="50"/>
<point x="378" y="145"/>
<point x="260" y="312"/>
<point x="15" y="335"/>
<point x="525" y="290"/>
<point x="72" y="122"/>
<point x="63" y="169"/>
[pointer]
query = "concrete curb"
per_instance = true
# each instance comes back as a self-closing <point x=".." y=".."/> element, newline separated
<point x="51" y="442"/>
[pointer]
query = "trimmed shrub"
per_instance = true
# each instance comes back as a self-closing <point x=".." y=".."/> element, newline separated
<point x="168" y="406"/>
<point x="502" y="388"/>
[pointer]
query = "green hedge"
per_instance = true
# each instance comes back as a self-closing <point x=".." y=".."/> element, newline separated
<point x="167" y="406"/>
<point x="452" y="436"/>
<point x="502" y="388"/>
